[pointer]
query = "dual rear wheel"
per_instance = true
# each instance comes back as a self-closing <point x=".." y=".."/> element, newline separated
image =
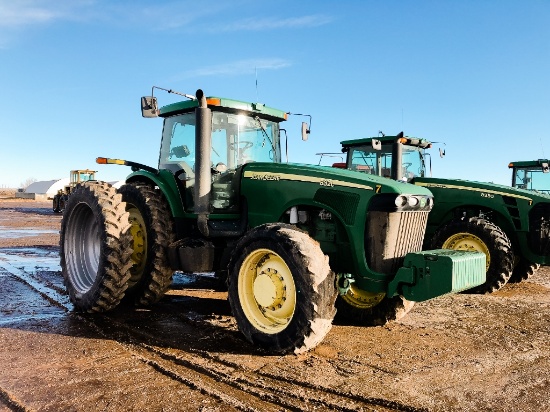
<point x="113" y="244"/>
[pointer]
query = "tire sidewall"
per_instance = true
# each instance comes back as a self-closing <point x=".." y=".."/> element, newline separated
<point x="83" y="197"/>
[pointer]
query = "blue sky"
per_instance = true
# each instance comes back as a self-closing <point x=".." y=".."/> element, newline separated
<point x="472" y="74"/>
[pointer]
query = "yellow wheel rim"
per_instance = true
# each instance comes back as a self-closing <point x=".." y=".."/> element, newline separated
<point x="362" y="299"/>
<point x="267" y="292"/>
<point x="468" y="242"/>
<point x="139" y="243"/>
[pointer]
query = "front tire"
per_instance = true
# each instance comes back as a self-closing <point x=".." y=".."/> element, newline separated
<point x="477" y="234"/>
<point x="281" y="289"/>
<point x="95" y="247"/>
<point x="362" y="308"/>
<point x="152" y="232"/>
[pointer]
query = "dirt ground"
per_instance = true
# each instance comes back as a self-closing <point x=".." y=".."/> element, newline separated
<point x="456" y="353"/>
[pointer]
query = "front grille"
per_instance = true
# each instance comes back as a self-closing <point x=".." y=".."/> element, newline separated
<point x="390" y="236"/>
<point x="539" y="229"/>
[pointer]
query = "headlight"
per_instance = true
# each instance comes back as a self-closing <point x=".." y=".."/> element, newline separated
<point x="413" y="201"/>
<point x="401" y="201"/>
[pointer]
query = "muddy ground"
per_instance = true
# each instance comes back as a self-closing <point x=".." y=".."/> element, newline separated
<point x="456" y="353"/>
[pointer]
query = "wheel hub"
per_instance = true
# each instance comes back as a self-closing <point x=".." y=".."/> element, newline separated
<point x="269" y="290"/>
<point x="361" y="298"/>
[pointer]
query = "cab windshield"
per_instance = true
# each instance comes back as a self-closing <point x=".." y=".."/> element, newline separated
<point x="378" y="162"/>
<point x="533" y="179"/>
<point x="236" y="140"/>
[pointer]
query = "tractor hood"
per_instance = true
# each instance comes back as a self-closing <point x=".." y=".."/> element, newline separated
<point x="329" y="177"/>
<point x="484" y="189"/>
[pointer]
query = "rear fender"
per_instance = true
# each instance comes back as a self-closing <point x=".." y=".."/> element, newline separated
<point x="166" y="182"/>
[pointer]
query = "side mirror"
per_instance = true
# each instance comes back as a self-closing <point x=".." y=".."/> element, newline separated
<point x="376" y="144"/>
<point x="305" y="131"/>
<point x="545" y="168"/>
<point x="149" y="107"/>
<point x="441" y="152"/>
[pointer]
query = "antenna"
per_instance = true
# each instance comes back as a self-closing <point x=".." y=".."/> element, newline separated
<point x="256" y="71"/>
<point x="542" y="148"/>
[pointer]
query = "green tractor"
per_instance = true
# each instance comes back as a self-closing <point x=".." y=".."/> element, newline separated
<point x="75" y="177"/>
<point x="509" y="225"/>
<point x="288" y="238"/>
<point x="531" y="175"/>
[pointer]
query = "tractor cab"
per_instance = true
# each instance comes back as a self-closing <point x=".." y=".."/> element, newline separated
<point x="240" y="133"/>
<point x="79" y="176"/>
<point x="374" y="156"/>
<point x="237" y="138"/>
<point x="531" y="175"/>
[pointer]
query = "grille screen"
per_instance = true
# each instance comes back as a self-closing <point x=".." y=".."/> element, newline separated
<point x="344" y="203"/>
<point x="390" y="236"/>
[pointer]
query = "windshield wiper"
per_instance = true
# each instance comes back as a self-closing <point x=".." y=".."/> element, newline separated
<point x="265" y="133"/>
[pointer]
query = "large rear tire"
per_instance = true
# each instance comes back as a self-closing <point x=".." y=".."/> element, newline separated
<point x="523" y="271"/>
<point x="95" y="247"/>
<point x="361" y="308"/>
<point x="281" y="289"/>
<point x="477" y="234"/>
<point x="152" y="232"/>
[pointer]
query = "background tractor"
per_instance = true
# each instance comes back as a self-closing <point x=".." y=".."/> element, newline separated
<point x="531" y="175"/>
<point x="287" y="238"/>
<point x="76" y="177"/>
<point x="509" y="225"/>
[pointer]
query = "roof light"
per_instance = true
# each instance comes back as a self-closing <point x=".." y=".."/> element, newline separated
<point x="213" y="101"/>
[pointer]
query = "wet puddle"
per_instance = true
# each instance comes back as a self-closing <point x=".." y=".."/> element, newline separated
<point x="6" y="233"/>
<point x="31" y="259"/>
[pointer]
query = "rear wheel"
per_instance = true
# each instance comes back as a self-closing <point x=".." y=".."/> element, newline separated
<point x="359" y="307"/>
<point x="152" y="232"/>
<point x="281" y="289"/>
<point x="95" y="247"/>
<point x="523" y="270"/>
<point x="480" y="235"/>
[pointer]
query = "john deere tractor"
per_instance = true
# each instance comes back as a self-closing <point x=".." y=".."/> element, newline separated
<point x="531" y="175"/>
<point x="288" y="238"/>
<point x="75" y="177"/>
<point x="509" y="225"/>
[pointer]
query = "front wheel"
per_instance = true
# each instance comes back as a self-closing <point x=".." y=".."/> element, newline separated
<point x="480" y="235"/>
<point x="95" y="247"/>
<point x="281" y="289"/>
<point x="362" y="308"/>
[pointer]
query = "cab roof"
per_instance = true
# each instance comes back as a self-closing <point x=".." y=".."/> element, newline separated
<point x="412" y="141"/>
<point x="223" y="104"/>
<point x="528" y="163"/>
